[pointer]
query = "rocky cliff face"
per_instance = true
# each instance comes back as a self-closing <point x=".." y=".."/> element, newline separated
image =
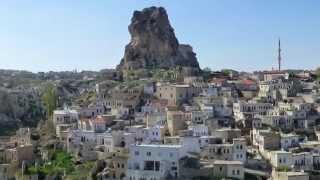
<point x="153" y="43"/>
<point x="20" y="94"/>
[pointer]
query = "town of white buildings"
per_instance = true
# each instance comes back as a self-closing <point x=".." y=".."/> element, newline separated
<point x="261" y="125"/>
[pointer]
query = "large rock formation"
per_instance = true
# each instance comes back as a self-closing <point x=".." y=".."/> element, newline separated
<point x="154" y="45"/>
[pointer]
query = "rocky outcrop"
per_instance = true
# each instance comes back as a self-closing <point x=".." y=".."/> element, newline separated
<point x="153" y="43"/>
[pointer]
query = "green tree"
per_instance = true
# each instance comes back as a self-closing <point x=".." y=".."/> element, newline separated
<point x="318" y="72"/>
<point x="226" y="72"/>
<point x="50" y="98"/>
<point x="206" y="73"/>
<point x="206" y="69"/>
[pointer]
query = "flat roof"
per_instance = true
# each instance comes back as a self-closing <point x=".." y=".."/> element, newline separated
<point x="300" y="153"/>
<point x="159" y="145"/>
<point x="226" y="144"/>
<point x="311" y="143"/>
<point x="208" y="137"/>
<point x="289" y="135"/>
<point x="227" y="162"/>
<point x="239" y="138"/>
<point x="228" y="129"/>
<point x="293" y="173"/>
<point x="137" y="126"/>
<point x="181" y="85"/>
<point x="281" y="151"/>
<point x="65" y="111"/>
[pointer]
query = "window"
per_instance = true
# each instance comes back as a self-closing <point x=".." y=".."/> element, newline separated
<point x="233" y="172"/>
<point x="149" y="165"/>
<point x="148" y="153"/>
<point x="136" y="153"/>
<point x="238" y="171"/>
<point x="157" y="165"/>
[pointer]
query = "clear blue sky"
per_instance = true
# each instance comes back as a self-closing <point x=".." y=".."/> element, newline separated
<point x="39" y="35"/>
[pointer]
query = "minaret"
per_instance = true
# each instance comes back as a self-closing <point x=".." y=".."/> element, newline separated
<point x="279" y="55"/>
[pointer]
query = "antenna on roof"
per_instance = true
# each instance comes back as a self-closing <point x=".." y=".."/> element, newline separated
<point x="279" y="55"/>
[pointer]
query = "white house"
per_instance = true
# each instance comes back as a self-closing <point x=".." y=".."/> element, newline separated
<point x="277" y="89"/>
<point x="302" y="161"/>
<point x="289" y="140"/>
<point x="149" y="161"/>
<point x="92" y="110"/>
<point x="297" y="161"/>
<point x="281" y="159"/>
<point x="109" y="141"/>
<point x="243" y="110"/>
<point x="210" y="91"/>
<point x="237" y="151"/>
<point x="198" y="117"/>
<point x="190" y="144"/>
<point x="149" y="88"/>
<point x="154" y="134"/>
<point x="265" y="139"/>
<point x="120" y="112"/>
<point x="228" y="169"/>
<point x="65" y="116"/>
<point x="199" y="130"/>
<point x="97" y="124"/>
<point x="204" y="141"/>
<point x="277" y="120"/>
<point x="155" y="118"/>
